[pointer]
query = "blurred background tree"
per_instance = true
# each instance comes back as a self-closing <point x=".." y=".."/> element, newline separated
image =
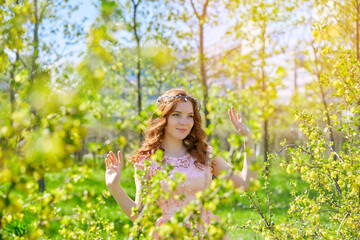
<point x="76" y="83"/>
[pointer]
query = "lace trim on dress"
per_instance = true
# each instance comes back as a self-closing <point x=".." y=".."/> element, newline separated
<point x="177" y="162"/>
<point x="183" y="161"/>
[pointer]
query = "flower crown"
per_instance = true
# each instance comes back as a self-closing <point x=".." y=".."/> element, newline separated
<point x="169" y="98"/>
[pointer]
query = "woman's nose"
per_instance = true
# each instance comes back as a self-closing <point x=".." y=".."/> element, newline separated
<point x="182" y="121"/>
<point x="185" y="120"/>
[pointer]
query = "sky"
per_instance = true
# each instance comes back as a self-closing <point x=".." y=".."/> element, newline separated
<point x="87" y="12"/>
<point x="87" y="9"/>
<point x="84" y="16"/>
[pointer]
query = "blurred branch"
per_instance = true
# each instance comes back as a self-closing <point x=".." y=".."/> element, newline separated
<point x="21" y="59"/>
<point x="328" y="210"/>
<point x="193" y="6"/>
<point x="332" y="150"/>
<point x="219" y="57"/>
<point x="348" y="87"/>
<point x="12" y="186"/>
<point x="41" y="15"/>
<point x="285" y="147"/>
<point x="205" y="8"/>
<point x="126" y="79"/>
<point x="266" y="176"/>
<point x="258" y="209"/>
<point x="346" y="215"/>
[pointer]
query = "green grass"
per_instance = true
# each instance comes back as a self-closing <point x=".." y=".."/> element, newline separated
<point x="237" y="208"/>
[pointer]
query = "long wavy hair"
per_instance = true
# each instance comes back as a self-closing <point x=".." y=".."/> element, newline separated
<point x="194" y="143"/>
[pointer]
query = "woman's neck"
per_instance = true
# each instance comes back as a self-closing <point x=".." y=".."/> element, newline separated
<point x="173" y="148"/>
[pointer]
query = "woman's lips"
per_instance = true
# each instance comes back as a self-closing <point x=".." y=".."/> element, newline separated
<point x="182" y="130"/>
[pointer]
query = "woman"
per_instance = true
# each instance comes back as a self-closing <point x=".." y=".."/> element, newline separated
<point x="176" y="129"/>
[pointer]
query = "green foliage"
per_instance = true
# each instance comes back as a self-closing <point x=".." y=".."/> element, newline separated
<point x="88" y="222"/>
<point x="49" y="111"/>
<point x="41" y="128"/>
<point x="331" y="211"/>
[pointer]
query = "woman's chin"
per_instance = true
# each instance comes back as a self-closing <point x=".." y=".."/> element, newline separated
<point x="183" y="136"/>
<point x="180" y="136"/>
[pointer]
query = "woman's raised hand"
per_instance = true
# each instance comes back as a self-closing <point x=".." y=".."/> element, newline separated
<point x="238" y="123"/>
<point x="113" y="169"/>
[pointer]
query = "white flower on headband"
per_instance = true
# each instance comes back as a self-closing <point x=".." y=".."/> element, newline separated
<point x="180" y="95"/>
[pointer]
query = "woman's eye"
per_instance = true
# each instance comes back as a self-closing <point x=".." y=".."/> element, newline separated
<point x="175" y="114"/>
<point x="191" y="116"/>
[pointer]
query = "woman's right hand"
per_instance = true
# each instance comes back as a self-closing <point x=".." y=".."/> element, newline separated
<point x="113" y="169"/>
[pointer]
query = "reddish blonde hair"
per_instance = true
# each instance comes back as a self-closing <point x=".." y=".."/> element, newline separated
<point x="194" y="142"/>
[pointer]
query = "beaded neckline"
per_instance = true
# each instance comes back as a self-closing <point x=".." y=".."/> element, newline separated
<point x="166" y="156"/>
<point x="183" y="161"/>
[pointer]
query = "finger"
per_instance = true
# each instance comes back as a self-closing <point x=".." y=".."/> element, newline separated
<point x="233" y="112"/>
<point x="118" y="161"/>
<point x="234" y="117"/>
<point x="120" y="157"/>
<point x="112" y="159"/>
<point x="113" y="156"/>
<point x="107" y="163"/>
<point x="231" y="117"/>
<point x="229" y="114"/>
<point x="239" y="118"/>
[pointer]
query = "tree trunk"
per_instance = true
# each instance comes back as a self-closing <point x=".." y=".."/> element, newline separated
<point x="266" y="140"/>
<point x="138" y="64"/>
<point x="33" y="75"/>
<point x="35" y="44"/>
<point x="357" y="19"/>
<point x="328" y="120"/>
<point x="323" y="99"/>
<point x="41" y="183"/>
<point x="94" y="158"/>
<point x="263" y="82"/>
<point x="203" y="74"/>
<point x="201" y="21"/>
<point x="7" y="202"/>
<point x="295" y="75"/>
<point x="11" y="89"/>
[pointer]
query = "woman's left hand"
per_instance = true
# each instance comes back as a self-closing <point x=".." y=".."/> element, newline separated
<point x="238" y="123"/>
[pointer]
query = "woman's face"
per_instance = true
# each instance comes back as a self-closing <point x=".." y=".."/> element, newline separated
<point x="180" y="121"/>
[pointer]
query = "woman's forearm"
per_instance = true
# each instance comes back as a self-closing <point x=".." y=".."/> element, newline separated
<point x="124" y="201"/>
<point x="242" y="179"/>
<point x="249" y="159"/>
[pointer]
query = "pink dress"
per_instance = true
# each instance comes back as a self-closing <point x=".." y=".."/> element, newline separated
<point x="196" y="180"/>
